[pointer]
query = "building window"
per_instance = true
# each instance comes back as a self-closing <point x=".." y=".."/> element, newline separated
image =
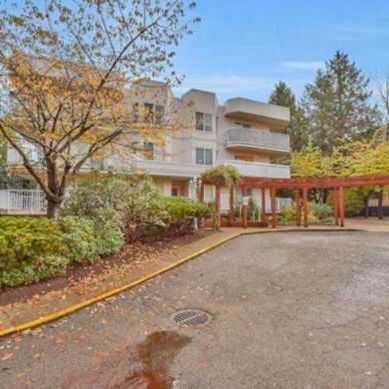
<point x="203" y="121"/>
<point x="149" y="149"/>
<point x="203" y="156"/>
<point x="154" y="113"/>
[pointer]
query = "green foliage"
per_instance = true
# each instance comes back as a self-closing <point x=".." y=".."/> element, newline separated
<point x="79" y="238"/>
<point x="283" y="95"/>
<point x="144" y="214"/>
<point x="310" y="163"/>
<point x="287" y="215"/>
<point x="182" y="208"/>
<point x="102" y="202"/>
<point x="355" y="201"/>
<point x="321" y="211"/>
<point x="253" y="210"/>
<point x="30" y="249"/>
<point x="182" y="211"/>
<point x="109" y="233"/>
<point x="317" y="213"/>
<point x="337" y="107"/>
<point x="46" y="268"/>
<point x="223" y="175"/>
<point x="25" y="240"/>
<point x="89" y="197"/>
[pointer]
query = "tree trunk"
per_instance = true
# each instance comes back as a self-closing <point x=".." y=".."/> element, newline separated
<point x="53" y="208"/>
<point x="380" y="205"/>
<point x="53" y="202"/>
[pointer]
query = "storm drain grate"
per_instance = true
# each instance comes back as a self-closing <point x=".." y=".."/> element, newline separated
<point x="192" y="317"/>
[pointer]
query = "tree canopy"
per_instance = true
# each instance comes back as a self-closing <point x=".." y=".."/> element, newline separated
<point x="337" y="106"/>
<point x="65" y="66"/>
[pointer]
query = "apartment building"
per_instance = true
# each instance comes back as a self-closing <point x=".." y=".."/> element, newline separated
<point x="241" y="132"/>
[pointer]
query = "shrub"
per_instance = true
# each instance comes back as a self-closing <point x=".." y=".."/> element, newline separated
<point x="46" y="268"/>
<point x="253" y="210"/>
<point x="88" y="197"/>
<point x="144" y="213"/>
<point x="26" y="241"/>
<point x="223" y="175"/>
<point x="181" y="212"/>
<point x="30" y="249"/>
<point x="321" y="211"/>
<point x="287" y="215"/>
<point x="102" y="202"/>
<point x="109" y="233"/>
<point x="79" y="238"/>
<point x="354" y="201"/>
<point x="318" y="213"/>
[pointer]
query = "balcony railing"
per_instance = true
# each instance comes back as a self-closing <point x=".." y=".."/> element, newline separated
<point x="258" y="169"/>
<point x="22" y="201"/>
<point x="257" y="139"/>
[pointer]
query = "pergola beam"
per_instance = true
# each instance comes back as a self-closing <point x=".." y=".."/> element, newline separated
<point x="312" y="183"/>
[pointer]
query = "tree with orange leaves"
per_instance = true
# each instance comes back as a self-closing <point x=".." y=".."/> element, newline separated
<point x="65" y="66"/>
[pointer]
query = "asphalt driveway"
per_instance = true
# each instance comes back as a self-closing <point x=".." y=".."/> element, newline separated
<point x="290" y="310"/>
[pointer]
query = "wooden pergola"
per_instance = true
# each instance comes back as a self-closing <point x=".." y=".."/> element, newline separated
<point x="301" y="188"/>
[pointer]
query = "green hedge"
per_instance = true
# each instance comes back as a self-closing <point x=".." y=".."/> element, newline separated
<point x="94" y="222"/>
<point x="181" y="213"/>
<point x="30" y="249"/>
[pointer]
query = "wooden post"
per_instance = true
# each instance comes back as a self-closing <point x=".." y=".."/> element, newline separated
<point x="217" y="206"/>
<point x="201" y="194"/>
<point x="232" y="216"/>
<point x="336" y="206"/>
<point x="341" y="206"/>
<point x="298" y="207"/>
<point x="380" y="204"/>
<point x="305" y="200"/>
<point x="245" y="208"/>
<point x="273" y="207"/>
<point x="263" y="205"/>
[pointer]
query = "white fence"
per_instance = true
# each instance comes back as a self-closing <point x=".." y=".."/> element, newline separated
<point x="22" y="201"/>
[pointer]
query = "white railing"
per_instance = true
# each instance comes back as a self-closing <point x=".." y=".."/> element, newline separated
<point x="22" y="201"/>
<point x="258" y="169"/>
<point x="261" y="139"/>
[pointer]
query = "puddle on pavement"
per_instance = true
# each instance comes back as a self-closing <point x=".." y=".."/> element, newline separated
<point x="155" y="356"/>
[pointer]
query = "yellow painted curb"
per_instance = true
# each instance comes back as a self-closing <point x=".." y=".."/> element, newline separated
<point x="75" y="307"/>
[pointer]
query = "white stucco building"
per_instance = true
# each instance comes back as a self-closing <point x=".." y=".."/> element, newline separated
<point x="241" y="132"/>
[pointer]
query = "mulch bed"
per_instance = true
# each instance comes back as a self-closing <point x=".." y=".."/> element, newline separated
<point x="77" y="272"/>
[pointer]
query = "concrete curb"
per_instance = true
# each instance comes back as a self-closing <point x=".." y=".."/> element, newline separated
<point x="76" y="307"/>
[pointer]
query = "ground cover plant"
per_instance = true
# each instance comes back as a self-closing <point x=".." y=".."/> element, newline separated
<point x="99" y="217"/>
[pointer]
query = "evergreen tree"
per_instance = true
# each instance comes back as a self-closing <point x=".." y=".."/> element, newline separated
<point x="337" y="105"/>
<point x="283" y="95"/>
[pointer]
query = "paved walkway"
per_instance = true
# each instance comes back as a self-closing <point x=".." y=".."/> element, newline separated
<point x="49" y="304"/>
<point x="296" y="310"/>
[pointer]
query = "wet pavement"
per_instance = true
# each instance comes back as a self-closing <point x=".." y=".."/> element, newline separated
<point x="290" y="310"/>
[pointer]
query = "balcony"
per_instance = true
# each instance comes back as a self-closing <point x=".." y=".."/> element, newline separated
<point x="148" y="166"/>
<point x="258" y="169"/>
<point x="248" y="138"/>
<point x="272" y="115"/>
<point x="167" y="168"/>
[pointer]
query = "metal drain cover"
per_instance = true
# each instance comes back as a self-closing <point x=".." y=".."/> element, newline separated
<point x="192" y="318"/>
